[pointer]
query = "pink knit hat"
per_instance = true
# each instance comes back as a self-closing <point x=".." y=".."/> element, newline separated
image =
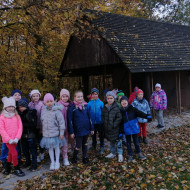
<point x="47" y="97"/>
<point x="64" y="92"/>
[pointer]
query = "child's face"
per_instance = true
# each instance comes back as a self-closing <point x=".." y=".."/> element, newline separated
<point x="158" y="89"/>
<point x="35" y="97"/>
<point x="10" y="109"/>
<point x="140" y="96"/>
<point x="49" y="103"/>
<point x="17" y="96"/>
<point x="65" y="98"/>
<point x="124" y="103"/>
<point x="22" y="108"/>
<point x="119" y="98"/>
<point x="79" y="97"/>
<point x="110" y="100"/>
<point x="94" y="95"/>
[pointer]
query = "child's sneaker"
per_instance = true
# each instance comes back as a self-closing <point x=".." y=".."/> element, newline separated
<point x="42" y="156"/>
<point x="130" y="159"/>
<point x="38" y="159"/>
<point x="52" y="166"/>
<point x="57" y="166"/>
<point x="110" y="155"/>
<point x="141" y="156"/>
<point x="18" y="172"/>
<point x="145" y="140"/>
<point x="101" y="150"/>
<point x="66" y="162"/>
<point x="120" y="158"/>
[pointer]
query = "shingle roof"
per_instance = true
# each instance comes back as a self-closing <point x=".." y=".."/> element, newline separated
<point x="145" y="45"/>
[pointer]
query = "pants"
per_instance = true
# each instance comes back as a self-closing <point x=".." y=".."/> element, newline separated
<point x="159" y="117"/>
<point x="98" y="128"/>
<point x="64" y="151"/>
<point x="29" y="146"/>
<point x="5" y="150"/>
<point x="82" y="142"/>
<point x="142" y="127"/>
<point x="116" y="144"/>
<point x="12" y="154"/>
<point x="136" y="143"/>
<point x="39" y="138"/>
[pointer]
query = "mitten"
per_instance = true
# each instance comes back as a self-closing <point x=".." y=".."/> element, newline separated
<point x="11" y="141"/>
<point x="16" y="140"/>
<point x="149" y="118"/>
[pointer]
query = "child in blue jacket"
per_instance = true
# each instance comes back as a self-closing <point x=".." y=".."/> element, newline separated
<point x="95" y="109"/>
<point x="131" y="128"/>
<point x="79" y="125"/>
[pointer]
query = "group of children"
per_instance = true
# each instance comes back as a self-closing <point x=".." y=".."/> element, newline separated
<point x="52" y="125"/>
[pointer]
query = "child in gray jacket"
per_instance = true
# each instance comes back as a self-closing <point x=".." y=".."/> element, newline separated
<point x="53" y="126"/>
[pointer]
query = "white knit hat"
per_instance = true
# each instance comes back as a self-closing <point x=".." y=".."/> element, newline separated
<point x="8" y="102"/>
<point x="158" y="85"/>
<point x="34" y="92"/>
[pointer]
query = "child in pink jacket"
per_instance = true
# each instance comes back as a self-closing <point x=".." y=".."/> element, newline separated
<point x="38" y="105"/>
<point x="11" y="132"/>
<point x="65" y="101"/>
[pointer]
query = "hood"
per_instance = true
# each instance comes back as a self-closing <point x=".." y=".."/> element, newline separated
<point x="57" y="107"/>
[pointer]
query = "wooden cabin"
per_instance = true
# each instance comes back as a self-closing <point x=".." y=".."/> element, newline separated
<point x="132" y="52"/>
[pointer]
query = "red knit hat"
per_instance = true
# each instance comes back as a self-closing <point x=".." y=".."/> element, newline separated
<point x="139" y="91"/>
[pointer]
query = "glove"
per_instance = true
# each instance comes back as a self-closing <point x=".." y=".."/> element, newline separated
<point x="11" y="141"/>
<point x="149" y="118"/>
<point x="120" y="136"/>
<point x="16" y="140"/>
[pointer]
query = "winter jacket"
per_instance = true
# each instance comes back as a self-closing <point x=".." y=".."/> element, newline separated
<point x="95" y="109"/>
<point x="132" y="97"/>
<point x="143" y="106"/>
<point x="53" y="124"/>
<point x="64" y="112"/>
<point x="10" y="128"/>
<point x="158" y="100"/>
<point x="38" y="106"/>
<point x="111" y="120"/>
<point x="130" y="113"/>
<point x="29" y="122"/>
<point x="78" y="121"/>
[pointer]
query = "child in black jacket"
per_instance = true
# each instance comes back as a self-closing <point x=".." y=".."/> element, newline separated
<point x="130" y="126"/>
<point x="28" y="140"/>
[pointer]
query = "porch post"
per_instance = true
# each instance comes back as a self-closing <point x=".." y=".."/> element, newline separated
<point x="178" y="91"/>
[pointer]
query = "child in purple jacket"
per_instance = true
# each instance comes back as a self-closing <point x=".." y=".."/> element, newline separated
<point x="37" y="104"/>
<point x="158" y="101"/>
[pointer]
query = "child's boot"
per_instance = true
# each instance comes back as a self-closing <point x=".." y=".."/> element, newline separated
<point x="145" y="140"/>
<point x="18" y="172"/>
<point x="111" y="155"/>
<point x="140" y="155"/>
<point x="85" y="160"/>
<point x="101" y="150"/>
<point x="7" y="166"/>
<point x="120" y="158"/>
<point x="57" y="165"/>
<point x="33" y="167"/>
<point x="52" y="166"/>
<point x="66" y="162"/>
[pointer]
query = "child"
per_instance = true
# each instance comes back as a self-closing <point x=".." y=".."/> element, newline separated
<point x="95" y="108"/>
<point x="53" y="126"/>
<point x="65" y="102"/>
<point x="16" y="94"/>
<point x="158" y="101"/>
<point x="131" y="128"/>
<point x="79" y="125"/>
<point x="11" y="131"/>
<point x="133" y="95"/>
<point x="141" y="104"/>
<point x="28" y="141"/>
<point x="111" y="120"/>
<point x="37" y="105"/>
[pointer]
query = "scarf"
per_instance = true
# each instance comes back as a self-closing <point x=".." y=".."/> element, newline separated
<point x="65" y="104"/>
<point x="8" y="114"/>
<point x="80" y="106"/>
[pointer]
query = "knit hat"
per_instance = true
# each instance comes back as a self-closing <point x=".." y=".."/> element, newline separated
<point x="110" y="93"/>
<point x="120" y="93"/>
<point x="23" y="102"/>
<point x="15" y="91"/>
<point x="47" y="97"/>
<point x="124" y="98"/>
<point x="8" y="102"/>
<point x="95" y="90"/>
<point x="135" y="89"/>
<point x="64" y="92"/>
<point x="34" y="92"/>
<point x="139" y="91"/>
<point x="158" y="85"/>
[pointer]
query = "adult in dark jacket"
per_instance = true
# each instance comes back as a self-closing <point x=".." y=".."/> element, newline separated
<point x="111" y="120"/>
<point x="28" y="140"/>
<point x="130" y="122"/>
<point x="79" y="125"/>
